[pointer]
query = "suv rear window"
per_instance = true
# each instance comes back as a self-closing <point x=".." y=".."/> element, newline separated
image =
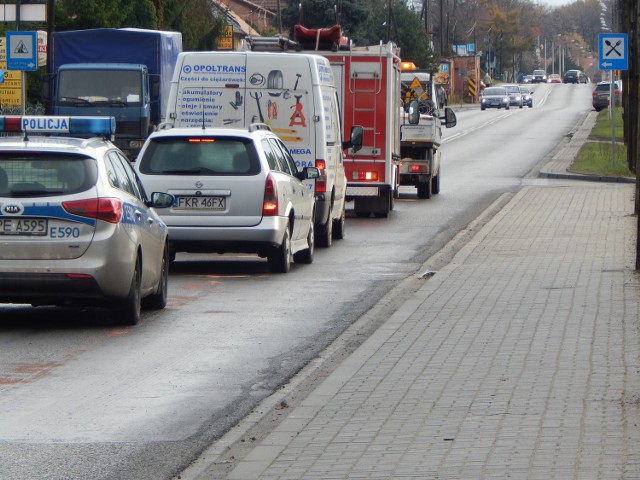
<point x="200" y="155"/>
<point x="33" y="174"/>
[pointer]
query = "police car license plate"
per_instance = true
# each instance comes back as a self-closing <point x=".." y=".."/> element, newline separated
<point x="24" y="226"/>
<point x="201" y="203"/>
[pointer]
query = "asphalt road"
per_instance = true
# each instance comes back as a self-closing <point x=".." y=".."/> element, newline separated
<point x="81" y="397"/>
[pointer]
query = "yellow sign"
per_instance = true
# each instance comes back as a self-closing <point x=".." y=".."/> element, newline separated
<point x="226" y="39"/>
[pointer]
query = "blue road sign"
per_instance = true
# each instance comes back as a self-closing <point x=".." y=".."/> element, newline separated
<point x="613" y="51"/>
<point x="22" y="51"/>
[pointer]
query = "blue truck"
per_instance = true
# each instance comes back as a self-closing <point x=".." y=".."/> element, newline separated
<point x="125" y="73"/>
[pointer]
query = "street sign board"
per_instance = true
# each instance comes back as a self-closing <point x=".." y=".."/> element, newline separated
<point x="613" y="51"/>
<point x="22" y="51"/>
<point x="11" y="87"/>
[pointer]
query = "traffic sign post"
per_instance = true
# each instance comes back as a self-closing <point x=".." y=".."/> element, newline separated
<point x="613" y="55"/>
<point x="22" y="51"/>
<point x="613" y="51"/>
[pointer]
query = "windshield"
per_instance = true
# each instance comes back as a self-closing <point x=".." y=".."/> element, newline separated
<point x="494" y="91"/>
<point x="92" y="86"/>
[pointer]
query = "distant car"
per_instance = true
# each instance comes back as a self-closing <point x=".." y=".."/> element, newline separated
<point x="236" y="190"/>
<point x="494" y="97"/>
<point x="515" y="95"/>
<point x="527" y="98"/>
<point x="575" y="76"/>
<point x="554" y="78"/>
<point x="539" y="76"/>
<point x="600" y="95"/>
<point x="76" y="227"/>
<point x="528" y="79"/>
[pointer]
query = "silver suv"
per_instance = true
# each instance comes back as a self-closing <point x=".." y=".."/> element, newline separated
<point x="236" y="190"/>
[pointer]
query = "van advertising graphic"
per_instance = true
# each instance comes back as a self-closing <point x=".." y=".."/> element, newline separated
<point x="224" y="91"/>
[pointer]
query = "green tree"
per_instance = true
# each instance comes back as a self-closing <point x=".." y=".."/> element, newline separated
<point x="405" y="30"/>
<point x="350" y="14"/>
<point x="83" y="14"/>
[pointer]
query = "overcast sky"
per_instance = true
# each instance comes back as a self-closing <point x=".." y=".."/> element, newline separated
<point x="556" y="3"/>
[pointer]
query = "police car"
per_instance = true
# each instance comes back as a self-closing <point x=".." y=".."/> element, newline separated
<point x="76" y="227"/>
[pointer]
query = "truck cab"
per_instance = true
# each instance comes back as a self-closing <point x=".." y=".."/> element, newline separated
<point x="114" y="90"/>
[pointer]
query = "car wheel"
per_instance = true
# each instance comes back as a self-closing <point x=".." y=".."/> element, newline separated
<point x="306" y="255"/>
<point x="279" y="260"/>
<point x="482" y="107"/>
<point x="158" y="300"/>
<point x="129" y="312"/>
<point x="435" y="184"/>
<point x="326" y="233"/>
<point x="339" y="226"/>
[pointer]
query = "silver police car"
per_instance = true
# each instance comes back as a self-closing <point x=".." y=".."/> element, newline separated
<point x="76" y="227"/>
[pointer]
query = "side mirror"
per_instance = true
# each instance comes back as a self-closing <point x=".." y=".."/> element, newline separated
<point x="161" y="200"/>
<point x="413" y="113"/>
<point x="309" y="173"/>
<point x="355" y="141"/>
<point x="450" y="119"/>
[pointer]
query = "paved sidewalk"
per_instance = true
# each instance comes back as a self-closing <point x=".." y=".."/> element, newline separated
<point x="520" y="359"/>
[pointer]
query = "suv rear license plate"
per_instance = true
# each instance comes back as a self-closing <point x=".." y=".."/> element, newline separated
<point x="201" y="203"/>
<point x="37" y="227"/>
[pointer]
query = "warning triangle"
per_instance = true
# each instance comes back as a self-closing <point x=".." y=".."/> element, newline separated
<point x="21" y="48"/>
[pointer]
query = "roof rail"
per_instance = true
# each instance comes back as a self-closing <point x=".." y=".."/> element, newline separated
<point x="271" y="44"/>
<point x="259" y="126"/>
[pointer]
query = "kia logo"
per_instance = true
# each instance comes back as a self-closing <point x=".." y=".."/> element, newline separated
<point x="12" y="209"/>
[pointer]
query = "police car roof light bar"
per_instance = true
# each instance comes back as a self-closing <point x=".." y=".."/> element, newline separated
<point x="59" y="125"/>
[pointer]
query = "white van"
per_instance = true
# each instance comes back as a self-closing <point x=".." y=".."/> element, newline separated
<point x="294" y="94"/>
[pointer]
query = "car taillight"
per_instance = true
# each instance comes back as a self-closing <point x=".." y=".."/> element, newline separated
<point x="270" y="202"/>
<point x="107" y="209"/>
<point x="321" y="183"/>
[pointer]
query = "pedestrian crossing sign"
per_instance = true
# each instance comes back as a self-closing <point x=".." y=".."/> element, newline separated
<point x="22" y="51"/>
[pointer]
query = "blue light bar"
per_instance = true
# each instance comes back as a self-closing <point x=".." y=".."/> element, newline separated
<point x="51" y="124"/>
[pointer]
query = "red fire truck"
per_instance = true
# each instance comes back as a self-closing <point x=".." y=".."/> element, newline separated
<point x="368" y="81"/>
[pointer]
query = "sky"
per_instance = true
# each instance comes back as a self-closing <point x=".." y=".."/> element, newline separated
<point x="555" y="3"/>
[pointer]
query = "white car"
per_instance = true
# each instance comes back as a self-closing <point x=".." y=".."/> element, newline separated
<point x="236" y="190"/>
<point x="76" y="227"/>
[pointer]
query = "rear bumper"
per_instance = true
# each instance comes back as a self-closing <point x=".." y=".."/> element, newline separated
<point x="233" y="239"/>
<point x="50" y="289"/>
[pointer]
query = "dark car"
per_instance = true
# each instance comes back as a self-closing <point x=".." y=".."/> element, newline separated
<point x="600" y="95"/>
<point x="515" y="96"/>
<point x="574" y="76"/>
<point x="527" y="99"/>
<point x="539" y="76"/>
